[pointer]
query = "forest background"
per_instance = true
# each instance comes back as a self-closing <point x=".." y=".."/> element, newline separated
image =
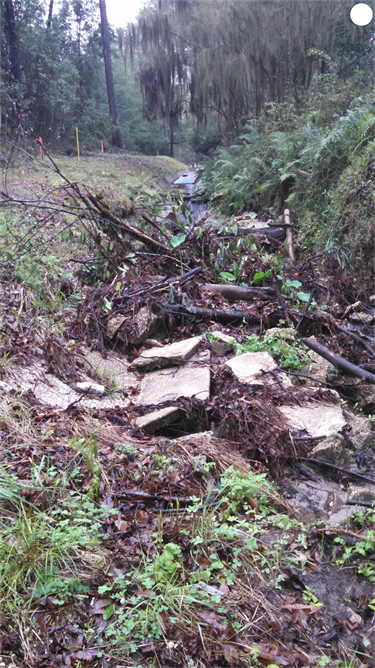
<point x="276" y="96"/>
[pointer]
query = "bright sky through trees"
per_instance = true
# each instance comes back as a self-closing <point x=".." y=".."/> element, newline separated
<point x="121" y="12"/>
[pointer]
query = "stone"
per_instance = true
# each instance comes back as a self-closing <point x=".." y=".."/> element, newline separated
<point x="113" y="325"/>
<point x="359" y="434"/>
<point x="223" y="344"/>
<point x="146" y="326"/>
<point x="318" y="419"/>
<point x="318" y="368"/>
<point x="114" y="369"/>
<point x="171" y="355"/>
<point x="286" y="333"/>
<point x="157" y="419"/>
<point x="248" y="368"/>
<point x="362" y="493"/>
<point x="191" y="380"/>
<point x="333" y="450"/>
<point x="364" y="397"/>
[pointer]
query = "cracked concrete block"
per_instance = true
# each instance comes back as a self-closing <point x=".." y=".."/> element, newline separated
<point x="157" y="419"/>
<point x="317" y="419"/>
<point x="171" y="355"/>
<point x="249" y="367"/>
<point x="191" y="380"/>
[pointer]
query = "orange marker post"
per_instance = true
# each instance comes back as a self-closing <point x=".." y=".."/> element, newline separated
<point x="101" y="143"/>
<point x="41" y="149"/>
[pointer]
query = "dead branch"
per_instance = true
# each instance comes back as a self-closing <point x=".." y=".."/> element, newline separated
<point x="237" y="292"/>
<point x="220" y="315"/>
<point x="355" y="337"/>
<point x="339" y="362"/>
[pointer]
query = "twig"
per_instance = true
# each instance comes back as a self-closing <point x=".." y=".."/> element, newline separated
<point x="305" y="309"/>
<point x="365" y="504"/>
<point x="280" y="299"/>
<point x="340" y="469"/>
<point x="289" y="235"/>
<point x="356" y="338"/>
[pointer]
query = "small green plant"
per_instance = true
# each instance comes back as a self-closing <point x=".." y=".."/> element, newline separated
<point x="289" y="354"/>
<point x="309" y="596"/>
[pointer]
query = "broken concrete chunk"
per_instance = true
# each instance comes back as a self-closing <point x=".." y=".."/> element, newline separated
<point x="113" y="325"/>
<point x="223" y="344"/>
<point x="317" y="419"/>
<point x="318" y="368"/>
<point x="115" y="370"/>
<point x="286" y="333"/>
<point x="157" y="419"/>
<point x="364" y="396"/>
<point x="171" y="355"/>
<point x="360" y="434"/>
<point x="192" y="380"/>
<point x="362" y="493"/>
<point x="146" y="325"/>
<point x="333" y="450"/>
<point x="249" y="367"/>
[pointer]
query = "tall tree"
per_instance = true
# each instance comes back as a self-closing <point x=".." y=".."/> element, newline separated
<point x="50" y="12"/>
<point x="116" y="138"/>
<point x="11" y="34"/>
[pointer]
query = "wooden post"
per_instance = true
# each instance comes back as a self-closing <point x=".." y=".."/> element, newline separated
<point x="101" y="143"/>
<point x="289" y="234"/>
<point x="77" y="137"/>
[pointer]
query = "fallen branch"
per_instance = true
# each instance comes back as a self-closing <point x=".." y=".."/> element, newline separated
<point x="219" y="315"/>
<point x="347" y="472"/>
<point x="339" y="362"/>
<point x="132" y="231"/>
<point x="355" y="337"/>
<point x="274" y="233"/>
<point x="237" y="292"/>
<point x="289" y="234"/>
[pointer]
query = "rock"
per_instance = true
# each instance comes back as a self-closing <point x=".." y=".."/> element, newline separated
<point x="223" y="344"/>
<point x="286" y="333"/>
<point x="318" y="368"/>
<point x="317" y="419"/>
<point x="333" y="450"/>
<point x="362" y="493"/>
<point x="171" y="355"/>
<point x="115" y="370"/>
<point x="146" y="326"/>
<point x="359" y="434"/>
<point x="248" y="368"/>
<point x="191" y="380"/>
<point x="113" y="325"/>
<point x="364" y="397"/>
<point x="157" y="419"/>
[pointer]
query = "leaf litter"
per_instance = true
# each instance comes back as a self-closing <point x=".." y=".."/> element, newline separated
<point x="178" y="551"/>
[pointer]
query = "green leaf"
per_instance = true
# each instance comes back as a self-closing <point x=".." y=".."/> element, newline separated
<point x="293" y="284"/>
<point x="108" y="612"/>
<point x="227" y="276"/>
<point x="177" y="240"/>
<point x="258" y="278"/>
<point x="303" y="296"/>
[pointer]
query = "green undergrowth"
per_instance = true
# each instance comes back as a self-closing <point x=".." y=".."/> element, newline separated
<point x="317" y="160"/>
<point x="287" y="353"/>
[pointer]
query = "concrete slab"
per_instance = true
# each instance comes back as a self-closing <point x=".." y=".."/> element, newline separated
<point x="191" y="380"/>
<point x="317" y="419"/>
<point x="157" y="419"/>
<point x="115" y="369"/>
<point x="171" y="355"/>
<point x="248" y="368"/>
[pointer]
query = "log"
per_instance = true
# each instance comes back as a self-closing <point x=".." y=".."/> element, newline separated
<point x="339" y="362"/>
<point x="220" y="315"/>
<point x="274" y="233"/>
<point x="289" y="234"/>
<point x="238" y="292"/>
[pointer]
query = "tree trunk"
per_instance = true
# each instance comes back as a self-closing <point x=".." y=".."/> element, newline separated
<point x="116" y="138"/>
<point x="12" y="38"/>
<point x="50" y="12"/>
<point x="171" y="121"/>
